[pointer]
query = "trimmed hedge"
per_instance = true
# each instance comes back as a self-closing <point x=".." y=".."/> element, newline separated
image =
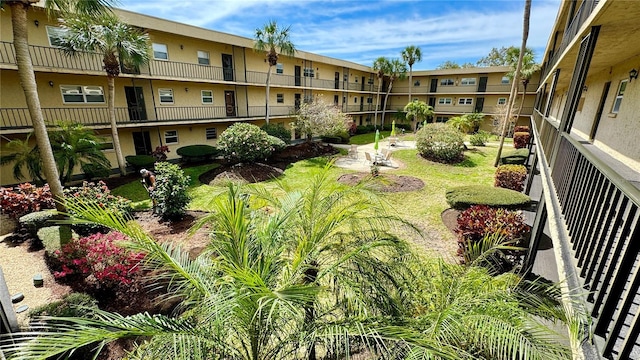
<point x="510" y="177"/>
<point x="520" y="140"/>
<point x="37" y="220"/>
<point x="197" y="152"/>
<point x="465" y="196"/>
<point x="140" y="161"/>
<point x="515" y="157"/>
<point x="521" y="129"/>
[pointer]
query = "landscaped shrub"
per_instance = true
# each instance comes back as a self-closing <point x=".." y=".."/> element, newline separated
<point x="441" y="143"/>
<point x="480" y="138"/>
<point x="71" y="305"/>
<point x="197" y="152"/>
<point x="170" y="193"/>
<point x="521" y="128"/>
<point x="516" y="157"/>
<point x="465" y="196"/>
<point x="277" y="143"/>
<point x="244" y="142"/>
<point x="520" y="139"/>
<point x="99" y="194"/>
<point x="37" y="220"/>
<point x="279" y="131"/>
<point x="24" y="199"/>
<point x="365" y="129"/>
<point x="93" y="171"/>
<point x="511" y="177"/>
<point x="140" y="161"/>
<point x="160" y="153"/>
<point x="98" y="260"/>
<point x="480" y="221"/>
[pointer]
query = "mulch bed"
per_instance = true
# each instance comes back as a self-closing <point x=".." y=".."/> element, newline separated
<point x="450" y="219"/>
<point x="383" y="182"/>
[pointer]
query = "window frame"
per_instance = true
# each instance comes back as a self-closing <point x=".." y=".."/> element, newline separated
<point x="208" y="130"/>
<point x="469" y="81"/>
<point x="173" y="100"/>
<point x="447" y="82"/>
<point x="82" y="93"/>
<point x="503" y="82"/>
<point x="203" y="97"/>
<point x="309" y="72"/>
<point x="445" y="101"/>
<point x="617" y="101"/>
<point x="280" y="98"/>
<point x="166" y="48"/>
<point x="279" y="68"/>
<point x="106" y="142"/>
<point x="504" y="99"/>
<point x="207" y="58"/>
<point x="167" y="137"/>
<point x="465" y="101"/>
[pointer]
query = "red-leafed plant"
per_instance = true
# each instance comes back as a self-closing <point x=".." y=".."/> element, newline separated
<point x="160" y="153"/>
<point x="25" y="199"/>
<point x="98" y="260"/>
<point x="511" y="177"/>
<point x="520" y="139"/>
<point x="521" y="129"/>
<point x="479" y="221"/>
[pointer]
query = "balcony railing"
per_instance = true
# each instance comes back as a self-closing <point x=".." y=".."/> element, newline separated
<point x="45" y="56"/>
<point x="12" y="118"/>
<point x="570" y="32"/>
<point x="191" y="112"/>
<point x="188" y="71"/>
<point x="601" y="212"/>
<point x="257" y="111"/>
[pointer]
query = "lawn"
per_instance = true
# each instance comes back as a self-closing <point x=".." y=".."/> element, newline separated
<point x="422" y="207"/>
<point x="368" y="138"/>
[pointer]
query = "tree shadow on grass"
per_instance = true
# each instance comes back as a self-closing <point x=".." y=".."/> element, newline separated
<point x="469" y="162"/>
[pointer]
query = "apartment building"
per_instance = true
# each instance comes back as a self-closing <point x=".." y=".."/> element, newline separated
<point x="199" y="82"/>
<point x="587" y="150"/>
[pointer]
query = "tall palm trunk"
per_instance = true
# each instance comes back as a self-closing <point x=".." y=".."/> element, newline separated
<point x="375" y="118"/>
<point x="514" y="86"/>
<point x="111" y="103"/>
<point x="410" y="81"/>
<point x="266" y="116"/>
<point x="28" y="82"/>
<point x="384" y="107"/>
<point x="524" y="94"/>
<point x="310" y="277"/>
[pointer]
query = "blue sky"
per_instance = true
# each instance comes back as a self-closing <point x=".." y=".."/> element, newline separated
<point x="362" y="30"/>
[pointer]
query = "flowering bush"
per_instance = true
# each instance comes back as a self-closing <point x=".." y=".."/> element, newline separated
<point x="441" y="143"/>
<point x="243" y="142"/>
<point x="511" y="177"/>
<point x="96" y="193"/>
<point x="479" y="221"/>
<point x="170" y="193"/>
<point x="99" y="260"/>
<point x="24" y="199"/>
<point x="520" y="139"/>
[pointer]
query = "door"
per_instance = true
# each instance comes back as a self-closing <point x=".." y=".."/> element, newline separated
<point x="482" y="85"/>
<point x="298" y="75"/>
<point x="227" y="67"/>
<point x="362" y="103"/>
<point x="362" y="86"/>
<point x="434" y="85"/>
<point x="596" y="121"/>
<point x="135" y="103"/>
<point x="432" y="101"/>
<point x="337" y="81"/>
<point x="230" y="102"/>
<point x="142" y="142"/>
<point x="479" y="104"/>
<point x="297" y="101"/>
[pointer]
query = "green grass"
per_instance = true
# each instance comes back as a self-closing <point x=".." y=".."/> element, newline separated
<point x="367" y="138"/>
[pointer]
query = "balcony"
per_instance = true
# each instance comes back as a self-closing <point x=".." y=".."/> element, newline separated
<point x="595" y="204"/>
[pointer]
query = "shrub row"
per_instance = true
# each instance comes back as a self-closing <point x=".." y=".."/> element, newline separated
<point x="197" y="152"/>
<point x="511" y="177"/>
<point x="465" y="196"/>
<point x="366" y="129"/>
<point x="516" y="157"/>
<point x="279" y="131"/>
<point x="520" y="140"/>
<point x="140" y="161"/>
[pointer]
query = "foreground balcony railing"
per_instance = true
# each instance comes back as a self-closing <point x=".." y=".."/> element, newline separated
<point x="600" y="209"/>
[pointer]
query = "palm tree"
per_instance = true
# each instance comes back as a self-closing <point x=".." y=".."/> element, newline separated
<point x="23" y="155"/>
<point x="528" y="68"/>
<point x="118" y="43"/>
<point x="410" y="55"/>
<point x="381" y="67"/>
<point x="397" y="70"/>
<point x="514" y="85"/>
<point x="272" y="40"/>
<point x="417" y="111"/>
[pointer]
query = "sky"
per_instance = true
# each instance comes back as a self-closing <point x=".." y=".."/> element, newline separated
<point x="363" y="30"/>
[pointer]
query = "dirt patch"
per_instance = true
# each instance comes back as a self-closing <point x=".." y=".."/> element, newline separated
<point x="383" y="182"/>
<point x="450" y="219"/>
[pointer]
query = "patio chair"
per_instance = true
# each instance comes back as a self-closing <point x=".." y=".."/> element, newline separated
<point x="386" y="160"/>
<point x="367" y="158"/>
<point x="353" y="152"/>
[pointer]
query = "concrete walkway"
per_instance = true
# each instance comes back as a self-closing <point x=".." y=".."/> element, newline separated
<point x="361" y="164"/>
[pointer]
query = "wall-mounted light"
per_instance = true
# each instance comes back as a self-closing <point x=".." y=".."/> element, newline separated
<point x="36" y="23"/>
<point x="50" y="83"/>
<point x="585" y="88"/>
<point x="417" y="83"/>
<point x="186" y="89"/>
<point x="633" y="74"/>
<point x="181" y="46"/>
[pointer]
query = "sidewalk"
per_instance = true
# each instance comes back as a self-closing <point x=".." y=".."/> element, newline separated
<point x="361" y="164"/>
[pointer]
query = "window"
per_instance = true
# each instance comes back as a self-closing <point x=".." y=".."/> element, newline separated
<point x="355" y="99"/>
<point x="82" y="94"/>
<point x="502" y="101"/>
<point x="54" y="34"/>
<point x="207" y="96"/>
<point x="280" y="98"/>
<point x="203" y="57"/>
<point x="106" y="142"/>
<point x="618" y="101"/>
<point x="345" y="77"/>
<point x="465" y="101"/>
<point x="160" y="51"/>
<point x="171" y="137"/>
<point x="444" y="101"/>
<point x="369" y="100"/>
<point x="442" y="119"/>
<point x="166" y="96"/>
<point x="468" y="81"/>
<point x="336" y="99"/>
<point x="309" y="72"/>
<point x="211" y="133"/>
<point x="446" y="82"/>
<point x="505" y="80"/>
<point x="279" y="68"/>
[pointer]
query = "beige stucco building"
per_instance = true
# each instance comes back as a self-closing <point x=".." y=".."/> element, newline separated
<point x="198" y="82"/>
